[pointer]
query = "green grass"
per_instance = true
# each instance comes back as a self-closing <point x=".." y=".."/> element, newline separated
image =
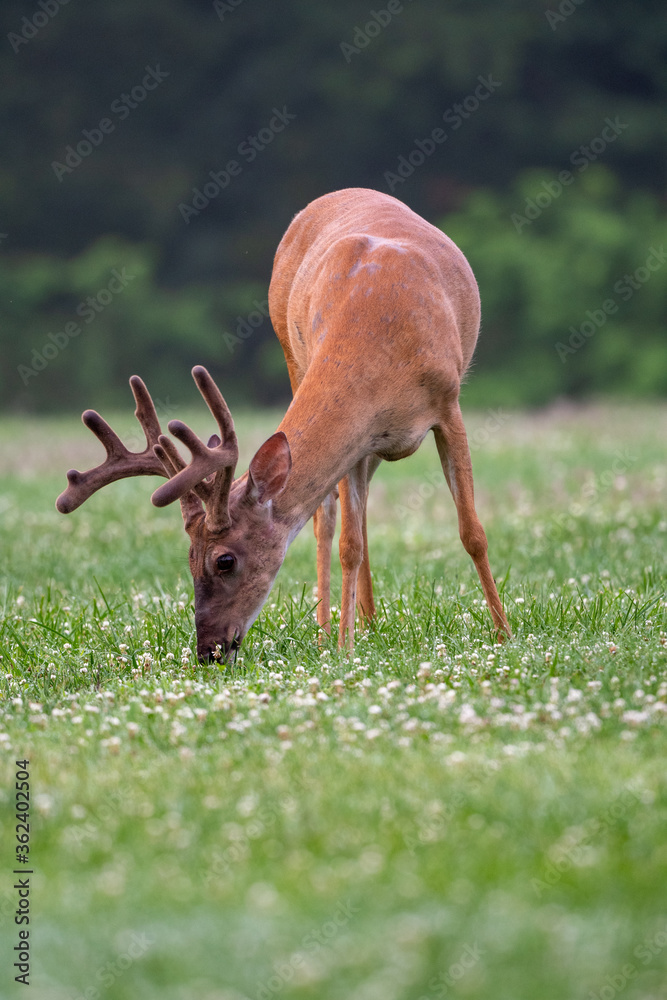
<point x="433" y="816"/>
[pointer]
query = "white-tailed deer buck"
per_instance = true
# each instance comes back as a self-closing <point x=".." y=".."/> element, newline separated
<point x="378" y="313"/>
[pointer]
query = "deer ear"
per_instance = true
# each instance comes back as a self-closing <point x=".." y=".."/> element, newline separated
<point x="269" y="469"/>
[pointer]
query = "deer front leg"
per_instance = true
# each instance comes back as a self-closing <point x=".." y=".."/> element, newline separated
<point x="324" y="523"/>
<point x="357" y="585"/>
<point x="351" y="548"/>
<point x="452" y="444"/>
<point x="365" y="602"/>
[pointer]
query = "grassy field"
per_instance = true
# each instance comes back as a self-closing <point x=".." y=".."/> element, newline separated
<point x="433" y="816"/>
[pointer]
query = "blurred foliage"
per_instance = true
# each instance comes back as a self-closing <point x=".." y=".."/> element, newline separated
<point x="94" y="319"/>
<point x="570" y="305"/>
<point x="360" y="99"/>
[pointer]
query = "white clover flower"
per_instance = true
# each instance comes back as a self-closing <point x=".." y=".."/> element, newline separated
<point x="44" y="803"/>
<point x="634" y="718"/>
<point x="468" y="715"/>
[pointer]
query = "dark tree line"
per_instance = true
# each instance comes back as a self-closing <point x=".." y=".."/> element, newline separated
<point x="176" y="139"/>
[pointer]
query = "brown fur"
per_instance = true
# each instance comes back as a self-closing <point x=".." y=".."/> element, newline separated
<point x="378" y="314"/>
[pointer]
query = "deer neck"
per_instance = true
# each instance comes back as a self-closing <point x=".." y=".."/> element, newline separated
<point x="325" y="444"/>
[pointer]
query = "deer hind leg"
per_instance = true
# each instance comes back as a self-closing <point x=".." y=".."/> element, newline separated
<point x="452" y="444"/>
<point x="324" y="523"/>
<point x="365" y="602"/>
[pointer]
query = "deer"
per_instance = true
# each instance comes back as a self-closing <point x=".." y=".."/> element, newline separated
<point x="377" y="312"/>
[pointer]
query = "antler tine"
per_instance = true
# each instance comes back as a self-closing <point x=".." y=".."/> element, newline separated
<point x="119" y="463"/>
<point x="216" y="404"/>
<point x="145" y="410"/>
<point x="171" y="458"/>
<point x="217" y="508"/>
<point x="169" y="455"/>
<point x="219" y="456"/>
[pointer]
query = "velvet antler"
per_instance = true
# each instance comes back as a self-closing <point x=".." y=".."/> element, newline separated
<point x="119" y="463"/>
<point x="218" y="458"/>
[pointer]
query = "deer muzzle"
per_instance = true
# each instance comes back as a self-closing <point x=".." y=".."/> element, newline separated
<point x="217" y="639"/>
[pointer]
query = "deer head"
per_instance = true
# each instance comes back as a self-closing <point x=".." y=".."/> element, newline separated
<point x="236" y="544"/>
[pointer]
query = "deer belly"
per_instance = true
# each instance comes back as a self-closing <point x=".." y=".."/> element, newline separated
<point x="390" y="446"/>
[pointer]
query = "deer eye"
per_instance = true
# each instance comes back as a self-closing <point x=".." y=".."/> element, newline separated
<point x="225" y="563"/>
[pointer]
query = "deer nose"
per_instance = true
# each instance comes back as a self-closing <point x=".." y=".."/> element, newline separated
<point x="218" y="652"/>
